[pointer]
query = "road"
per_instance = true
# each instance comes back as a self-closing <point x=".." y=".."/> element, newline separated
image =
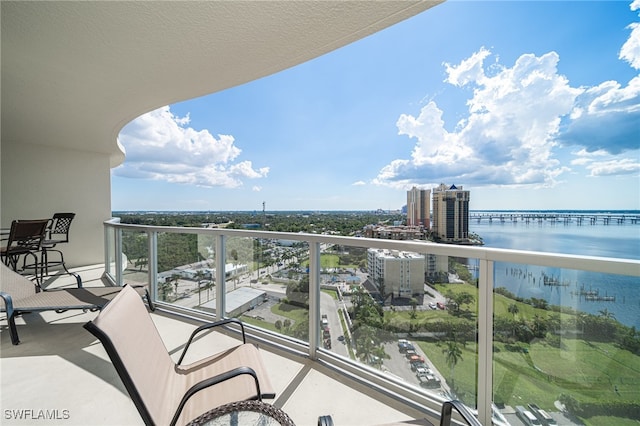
<point x="330" y="307"/>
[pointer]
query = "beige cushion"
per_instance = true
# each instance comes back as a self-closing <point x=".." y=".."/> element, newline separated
<point x="159" y="381"/>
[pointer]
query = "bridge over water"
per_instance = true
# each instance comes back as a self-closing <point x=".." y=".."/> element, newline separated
<point x="552" y="217"/>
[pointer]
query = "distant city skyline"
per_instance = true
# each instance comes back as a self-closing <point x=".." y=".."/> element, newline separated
<point x="528" y="105"/>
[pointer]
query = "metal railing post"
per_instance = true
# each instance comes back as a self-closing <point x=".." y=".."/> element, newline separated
<point x="118" y="255"/>
<point x="485" y="340"/>
<point x="107" y="249"/>
<point x="153" y="263"/>
<point x="314" y="299"/>
<point x="221" y="284"/>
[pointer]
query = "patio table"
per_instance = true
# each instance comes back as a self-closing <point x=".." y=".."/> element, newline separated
<point x="244" y="413"/>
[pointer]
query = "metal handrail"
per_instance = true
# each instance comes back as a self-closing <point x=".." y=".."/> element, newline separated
<point x="486" y="258"/>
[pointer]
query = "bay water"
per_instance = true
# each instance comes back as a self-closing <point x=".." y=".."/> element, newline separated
<point x="590" y="292"/>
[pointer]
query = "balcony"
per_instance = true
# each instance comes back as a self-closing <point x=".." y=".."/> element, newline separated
<point x="61" y="368"/>
<point x="195" y="273"/>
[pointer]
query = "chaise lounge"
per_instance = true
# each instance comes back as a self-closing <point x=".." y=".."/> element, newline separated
<point x="22" y="296"/>
<point x="166" y="392"/>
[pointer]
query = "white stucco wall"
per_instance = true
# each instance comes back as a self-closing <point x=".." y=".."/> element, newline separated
<point x="37" y="181"/>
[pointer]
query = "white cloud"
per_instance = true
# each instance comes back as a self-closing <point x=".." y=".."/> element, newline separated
<point x="625" y="166"/>
<point x="507" y="137"/>
<point x="605" y="117"/>
<point x="602" y="163"/>
<point x="160" y="146"/>
<point x="518" y="119"/>
<point x="468" y="70"/>
<point x="359" y="183"/>
<point x="630" y="51"/>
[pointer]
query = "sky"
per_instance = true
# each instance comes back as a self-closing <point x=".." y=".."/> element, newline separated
<point x="528" y="105"/>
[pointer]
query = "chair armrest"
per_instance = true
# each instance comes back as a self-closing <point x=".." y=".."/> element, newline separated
<point x="445" y="415"/>
<point x="8" y="303"/>
<point x="208" y="326"/>
<point x="214" y="381"/>
<point x="8" y="306"/>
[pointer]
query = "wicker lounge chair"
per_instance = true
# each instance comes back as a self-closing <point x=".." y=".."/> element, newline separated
<point x="165" y="392"/>
<point x="21" y="295"/>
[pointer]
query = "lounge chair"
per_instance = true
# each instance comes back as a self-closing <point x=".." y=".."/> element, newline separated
<point x="166" y="392"/>
<point x="21" y="296"/>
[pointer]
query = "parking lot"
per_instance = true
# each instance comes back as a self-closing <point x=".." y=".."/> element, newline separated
<point x="400" y="366"/>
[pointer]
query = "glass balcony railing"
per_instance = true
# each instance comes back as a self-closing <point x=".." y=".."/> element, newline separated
<point x="503" y="331"/>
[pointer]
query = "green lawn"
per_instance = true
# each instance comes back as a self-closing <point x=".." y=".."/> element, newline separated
<point x="326" y="261"/>
<point x="332" y="293"/>
<point x="329" y="261"/>
<point x="584" y="370"/>
<point x="587" y="371"/>
<point x="293" y="313"/>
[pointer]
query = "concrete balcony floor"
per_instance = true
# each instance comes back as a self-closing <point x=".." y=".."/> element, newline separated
<point x="60" y="368"/>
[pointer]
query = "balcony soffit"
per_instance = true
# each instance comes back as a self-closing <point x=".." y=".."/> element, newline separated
<point x="74" y="73"/>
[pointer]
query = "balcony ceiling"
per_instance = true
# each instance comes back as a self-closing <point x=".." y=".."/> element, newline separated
<point x="74" y="73"/>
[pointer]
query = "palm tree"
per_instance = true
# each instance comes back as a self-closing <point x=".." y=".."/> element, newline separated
<point x="453" y="354"/>
<point x="199" y="277"/>
<point x="539" y="326"/>
<point x="208" y="286"/>
<point x="365" y="342"/>
<point x="607" y="314"/>
<point x="165" y="289"/>
<point x="414" y="306"/>
<point x="513" y="309"/>
<point x="175" y="278"/>
<point x="234" y="256"/>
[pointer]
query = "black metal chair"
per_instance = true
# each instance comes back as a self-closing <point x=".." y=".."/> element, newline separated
<point x="25" y="239"/>
<point x="57" y="233"/>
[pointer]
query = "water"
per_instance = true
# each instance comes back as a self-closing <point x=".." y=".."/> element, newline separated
<point x="612" y="240"/>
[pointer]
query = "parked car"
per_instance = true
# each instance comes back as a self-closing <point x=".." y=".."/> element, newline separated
<point x="404" y="345"/>
<point x="422" y="371"/>
<point x="417" y="364"/>
<point x="433" y="306"/>
<point x="441" y="305"/>
<point x="544" y="417"/>
<point x="527" y="416"/>
<point x="409" y="353"/>
<point x="416" y="358"/>
<point x="429" y="381"/>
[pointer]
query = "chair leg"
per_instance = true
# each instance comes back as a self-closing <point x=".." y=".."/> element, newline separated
<point x="45" y="264"/>
<point x="13" y="330"/>
<point x="11" y="317"/>
<point x="37" y="267"/>
<point x="12" y="262"/>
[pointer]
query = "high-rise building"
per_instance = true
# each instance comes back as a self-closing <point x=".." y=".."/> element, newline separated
<point x="402" y="274"/>
<point x="418" y="207"/>
<point x="450" y="213"/>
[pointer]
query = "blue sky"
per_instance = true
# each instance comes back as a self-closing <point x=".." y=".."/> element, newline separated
<point x="529" y="105"/>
